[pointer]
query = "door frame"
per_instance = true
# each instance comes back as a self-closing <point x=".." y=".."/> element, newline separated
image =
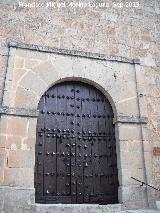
<point x="110" y="76"/>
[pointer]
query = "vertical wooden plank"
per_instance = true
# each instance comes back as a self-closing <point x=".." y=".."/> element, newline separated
<point x="50" y="143"/>
<point x="62" y="169"/>
<point x="78" y="144"/>
<point x="39" y="149"/>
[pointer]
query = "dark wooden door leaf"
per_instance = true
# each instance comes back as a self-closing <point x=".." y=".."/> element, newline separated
<point x="76" y="158"/>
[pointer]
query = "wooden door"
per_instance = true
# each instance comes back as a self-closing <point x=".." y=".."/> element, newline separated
<point x="75" y="149"/>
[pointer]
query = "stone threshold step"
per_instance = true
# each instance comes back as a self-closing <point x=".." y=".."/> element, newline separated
<point x="141" y="211"/>
<point x="86" y="208"/>
<point x="78" y="208"/>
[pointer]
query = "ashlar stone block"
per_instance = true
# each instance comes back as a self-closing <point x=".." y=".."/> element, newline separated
<point x="19" y="177"/>
<point x="17" y="126"/>
<point x="17" y="200"/>
<point x="34" y="83"/>
<point x="129" y="132"/>
<point x="21" y="159"/>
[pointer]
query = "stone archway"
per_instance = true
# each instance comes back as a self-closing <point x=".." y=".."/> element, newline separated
<point x="30" y="73"/>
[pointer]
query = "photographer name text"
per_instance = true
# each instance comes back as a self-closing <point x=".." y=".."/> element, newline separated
<point x="79" y="4"/>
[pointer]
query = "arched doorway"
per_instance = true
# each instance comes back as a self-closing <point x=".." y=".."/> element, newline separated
<point x="75" y="148"/>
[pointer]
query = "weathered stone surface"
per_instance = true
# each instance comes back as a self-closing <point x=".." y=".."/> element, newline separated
<point x="126" y="174"/>
<point x="32" y="127"/>
<point x="1" y="175"/>
<point x="19" y="62"/>
<point x="37" y="55"/>
<point x="95" y="45"/>
<point x="134" y="197"/>
<point x="19" y="177"/>
<point x="39" y="208"/>
<point x="20" y="129"/>
<point x="33" y="83"/>
<point x="129" y="132"/>
<point x="17" y="200"/>
<point x="18" y="74"/>
<point x="21" y="159"/>
<point x="3" y="141"/>
<point x="47" y="72"/>
<point x="110" y="76"/>
<point x="148" y="62"/>
<point x="1" y="200"/>
<point x="25" y="99"/>
<point x="158" y="205"/>
<point x="83" y="208"/>
<point x="16" y="111"/>
<point x="70" y="53"/>
<point x="28" y="143"/>
<point x="3" y="124"/>
<point x="3" y="157"/>
<point x="13" y="142"/>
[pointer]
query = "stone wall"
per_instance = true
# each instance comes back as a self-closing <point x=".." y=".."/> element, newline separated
<point x="126" y="32"/>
